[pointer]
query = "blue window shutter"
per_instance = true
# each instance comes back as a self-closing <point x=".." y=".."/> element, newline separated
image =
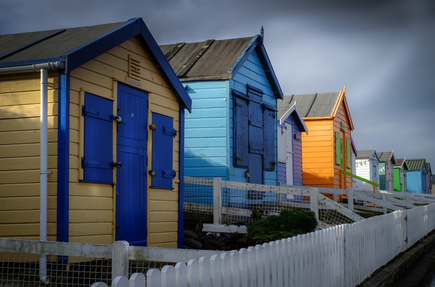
<point x="269" y="123"/>
<point x="162" y="152"/>
<point x="241" y="158"/>
<point x="98" y="140"/>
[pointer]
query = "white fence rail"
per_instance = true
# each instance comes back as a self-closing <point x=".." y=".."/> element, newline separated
<point x="343" y="255"/>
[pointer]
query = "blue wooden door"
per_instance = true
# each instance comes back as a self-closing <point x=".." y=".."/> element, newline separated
<point x="131" y="178"/>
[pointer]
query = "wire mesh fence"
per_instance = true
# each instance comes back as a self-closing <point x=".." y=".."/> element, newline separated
<point x="244" y="203"/>
<point x="20" y="269"/>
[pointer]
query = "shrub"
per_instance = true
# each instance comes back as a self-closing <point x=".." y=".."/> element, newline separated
<point x="287" y="224"/>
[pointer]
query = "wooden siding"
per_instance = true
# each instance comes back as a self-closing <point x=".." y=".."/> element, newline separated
<point x="297" y="150"/>
<point x="317" y="153"/>
<point x="341" y="116"/>
<point x="363" y="169"/>
<point x="414" y="182"/>
<point x="19" y="156"/>
<point x="252" y="72"/>
<point x="206" y="130"/>
<point x="94" y="204"/>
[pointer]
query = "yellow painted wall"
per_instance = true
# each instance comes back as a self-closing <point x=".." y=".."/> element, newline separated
<point x="19" y="155"/>
<point x="317" y="147"/>
<point x="92" y="206"/>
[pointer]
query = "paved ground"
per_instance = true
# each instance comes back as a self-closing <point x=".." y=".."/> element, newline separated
<point x="413" y="268"/>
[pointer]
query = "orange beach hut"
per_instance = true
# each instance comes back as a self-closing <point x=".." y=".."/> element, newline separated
<point x="327" y="149"/>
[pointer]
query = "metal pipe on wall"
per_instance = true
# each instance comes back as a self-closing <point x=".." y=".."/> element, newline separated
<point x="43" y="174"/>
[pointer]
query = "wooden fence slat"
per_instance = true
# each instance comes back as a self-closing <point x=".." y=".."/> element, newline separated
<point x="225" y="269"/>
<point x="204" y="271"/>
<point x="243" y="267"/>
<point x="154" y="278"/>
<point x="259" y="261"/>
<point x="180" y="274"/>
<point x="234" y="268"/>
<point x="137" y="280"/>
<point x="215" y="271"/>
<point x="193" y="273"/>
<point x="120" y="281"/>
<point x="168" y="276"/>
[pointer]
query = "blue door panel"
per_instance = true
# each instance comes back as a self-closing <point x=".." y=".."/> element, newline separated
<point x="131" y="185"/>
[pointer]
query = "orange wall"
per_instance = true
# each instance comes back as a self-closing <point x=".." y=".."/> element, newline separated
<point x="317" y="151"/>
<point x="342" y="117"/>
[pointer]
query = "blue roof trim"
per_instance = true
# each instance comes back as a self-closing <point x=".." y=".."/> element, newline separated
<point x="257" y="41"/>
<point x="272" y="72"/>
<point x="92" y="49"/>
<point x="25" y="63"/>
<point x="63" y="159"/>
<point x="245" y="54"/>
<point x="111" y="39"/>
<point x="291" y="110"/>
<point x="180" y="235"/>
<point x="31" y="44"/>
<point x="164" y="64"/>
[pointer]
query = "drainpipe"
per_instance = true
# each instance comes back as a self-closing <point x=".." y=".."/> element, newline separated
<point x="43" y="174"/>
<point x="43" y="68"/>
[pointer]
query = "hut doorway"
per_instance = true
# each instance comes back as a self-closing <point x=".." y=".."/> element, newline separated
<point x="131" y="175"/>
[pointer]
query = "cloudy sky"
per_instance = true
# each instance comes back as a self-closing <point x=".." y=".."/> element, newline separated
<point x="383" y="51"/>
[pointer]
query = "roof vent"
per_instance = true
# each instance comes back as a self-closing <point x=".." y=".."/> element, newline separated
<point x="133" y="68"/>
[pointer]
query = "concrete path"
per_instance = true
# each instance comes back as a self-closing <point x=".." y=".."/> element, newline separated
<point x="412" y="268"/>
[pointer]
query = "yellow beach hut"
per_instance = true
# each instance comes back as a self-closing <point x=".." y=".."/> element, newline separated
<point x="91" y="137"/>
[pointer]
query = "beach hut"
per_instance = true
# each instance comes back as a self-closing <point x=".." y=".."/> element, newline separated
<point x="400" y="169"/>
<point x="102" y="160"/>
<point x="327" y="149"/>
<point x="231" y="132"/>
<point x="367" y="166"/>
<point x="416" y="176"/>
<point x="290" y="128"/>
<point x="387" y="160"/>
<point x="429" y="178"/>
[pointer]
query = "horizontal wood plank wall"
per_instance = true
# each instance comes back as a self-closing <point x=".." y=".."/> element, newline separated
<point x="297" y="149"/>
<point x="206" y="127"/>
<point x="341" y="116"/>
<point x="20" y="155"/>
<point x="253" y="73"/>
<point x="92" y="206"/>
<point x="317" y="153"/>
<point x="363" y="169"/>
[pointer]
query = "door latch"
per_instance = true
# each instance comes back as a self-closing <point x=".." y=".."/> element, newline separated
<point x="116" y="164"/>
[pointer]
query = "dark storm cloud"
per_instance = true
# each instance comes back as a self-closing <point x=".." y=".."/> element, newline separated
<point x="382" y="50"/>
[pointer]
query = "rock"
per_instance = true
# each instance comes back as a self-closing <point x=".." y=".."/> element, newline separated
<point x="192" y="243"/>
<point x="190" y="234"/>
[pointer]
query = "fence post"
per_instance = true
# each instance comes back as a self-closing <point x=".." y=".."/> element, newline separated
<point x="120" y="259"/>
<point x="384" y="200"/>
<point x="217" y="200"/>
<point x="314" y="202"/>
<point x="350" y="198"/>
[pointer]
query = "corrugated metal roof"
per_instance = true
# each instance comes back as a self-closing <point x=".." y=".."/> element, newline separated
<point x="387" y="156"/>
<point x="39" y="45"/>
<point x="208" y="60"/>
<point x="363" y="154"/>
<point x="415" y="164"/>
<point x="314" y="105"/>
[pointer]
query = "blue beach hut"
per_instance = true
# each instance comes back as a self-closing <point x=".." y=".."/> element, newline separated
<point x="231" y="132"/>
<point x="290" y="126"/>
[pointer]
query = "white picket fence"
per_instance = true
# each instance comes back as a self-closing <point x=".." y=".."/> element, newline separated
<point x="343" y="255"/>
